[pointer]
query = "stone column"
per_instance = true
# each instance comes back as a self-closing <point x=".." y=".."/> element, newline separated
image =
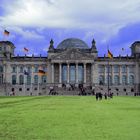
<point x="25" y="77"/>
<point x="84" y="72"/>
<point x="105" y="74"/>
<point x="4" y="73"/>
<point x="52" y="73"/>
<point x="32" y="76"/>
<point x="68" y="73"/>
<point x="95" y="74"/>
<point x="127" y="74"/>
<point x="112" y="74"/>
<point x="60" y="73"/>
<point x="92" y="75"/>
<point x="4" y="78"/>
<point x="120" y="74"/>
<point x="17" y="75"/>
<point x="77" y="73"/>
<point x="136" y="74"/>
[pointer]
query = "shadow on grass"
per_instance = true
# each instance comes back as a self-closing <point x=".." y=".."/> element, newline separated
<point x="19" y="101"/>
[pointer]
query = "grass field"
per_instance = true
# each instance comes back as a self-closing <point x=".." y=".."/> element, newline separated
<point x="69" y="118"/>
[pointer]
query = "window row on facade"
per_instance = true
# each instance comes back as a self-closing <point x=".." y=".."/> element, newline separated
<point x="116" y="68"/>
<point x="28" y="79"/>
<point x="116" y="80"/>
<point x="29" y="69"/>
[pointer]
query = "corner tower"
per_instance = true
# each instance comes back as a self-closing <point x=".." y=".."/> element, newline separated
<point x="6" y="49"/>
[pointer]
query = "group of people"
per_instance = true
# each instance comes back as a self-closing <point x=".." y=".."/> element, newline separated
<point x="99" y="96"/>
<point x="136" y="94"/>
<point x="12" y="93"/>
<point x="52" y="91"/>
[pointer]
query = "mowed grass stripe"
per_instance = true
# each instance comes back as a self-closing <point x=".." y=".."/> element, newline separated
<point x="69" y="118"/>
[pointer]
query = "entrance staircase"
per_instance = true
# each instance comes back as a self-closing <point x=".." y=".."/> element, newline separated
<point x="67" y="91"/>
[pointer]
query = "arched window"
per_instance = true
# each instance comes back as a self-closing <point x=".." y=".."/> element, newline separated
<point x="13" y="79"/>
<point x="36" y="79"/>
<point x="1" y="69"/>
<point x="101" y="80"/>
<point x="131" y="79"/>
<point x="14" y="69"/>
<point x="21" y="79"/>
<point x="116" y="80"/>
<point x="28" y="79"/>
<point x="44" y="79"/>
<point x="124" y="79"/>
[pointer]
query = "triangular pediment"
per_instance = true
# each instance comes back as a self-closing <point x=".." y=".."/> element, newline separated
<point x="72" y="55"/>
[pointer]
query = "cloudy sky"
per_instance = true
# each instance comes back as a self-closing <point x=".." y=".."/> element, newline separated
<point x="32" y="23"/>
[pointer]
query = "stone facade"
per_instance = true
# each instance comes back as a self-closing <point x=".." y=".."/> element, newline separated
<point x="71" y="63"/>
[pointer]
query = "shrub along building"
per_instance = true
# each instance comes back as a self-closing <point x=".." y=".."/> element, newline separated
<point x="72" y="62"/>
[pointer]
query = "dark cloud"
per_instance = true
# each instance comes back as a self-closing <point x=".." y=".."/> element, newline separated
<point x="129" y="33"/>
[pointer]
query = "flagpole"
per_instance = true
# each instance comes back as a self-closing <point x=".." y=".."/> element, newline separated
<point x="31" y="82"/>
<point x="24" y="84"/>
<point x="38" y="86"/>
<point x="108" y="73"/>
<point x="24" y="80"/>
<point x="3" y="39"/>
<point x="108" y="76"/>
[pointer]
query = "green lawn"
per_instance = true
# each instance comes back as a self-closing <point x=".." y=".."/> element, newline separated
<point x="69" y="118"/>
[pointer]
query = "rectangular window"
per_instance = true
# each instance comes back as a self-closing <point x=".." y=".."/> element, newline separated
<point x="29" y="69"/>
<point x="124" y="69"/>
<point x="116" y="69"/>
<point x="101" y="69"/>
<point x="14" y="69"/>
<point x="36" y="69"/>
<point x="21" y="69"/>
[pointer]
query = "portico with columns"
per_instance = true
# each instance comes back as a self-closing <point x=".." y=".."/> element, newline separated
<point x="72" y="73"/>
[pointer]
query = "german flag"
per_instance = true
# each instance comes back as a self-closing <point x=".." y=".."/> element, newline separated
<point x="25" y="49"/>
<point x="5" y="55"/>
<point x="110" y="55"/>
<point x="41" y="72"/>
<point x="6" y="33"/>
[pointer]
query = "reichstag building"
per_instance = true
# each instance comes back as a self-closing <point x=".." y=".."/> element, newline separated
<point x="70" y="64"/>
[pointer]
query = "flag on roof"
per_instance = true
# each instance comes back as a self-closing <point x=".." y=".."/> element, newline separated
<point x="25" y="72"/>
<point x="110" y="55"/>
<point x="26" y="50"/>
<point x="6" y="32"/>
<point x="41" y="72"/>
<point x="4" y="54"/>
